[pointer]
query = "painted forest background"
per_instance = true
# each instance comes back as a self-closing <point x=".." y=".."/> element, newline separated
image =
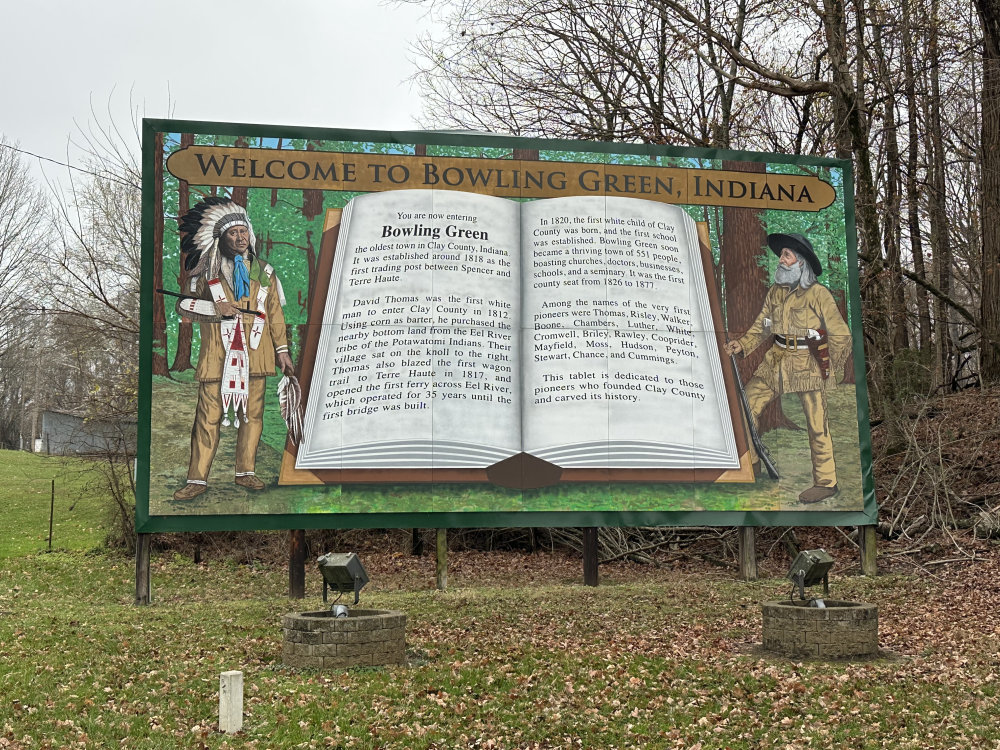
<point x="288" y="224"/>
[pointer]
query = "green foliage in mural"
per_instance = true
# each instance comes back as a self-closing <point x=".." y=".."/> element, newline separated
<point x="471" y="152"/>
<point x="825" y="229"/>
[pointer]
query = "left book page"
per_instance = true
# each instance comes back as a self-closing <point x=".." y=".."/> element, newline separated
<point x="416" y="365"/>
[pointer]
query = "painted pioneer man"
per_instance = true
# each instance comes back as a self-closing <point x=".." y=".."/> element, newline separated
<point x="237" y="301"/>
<point x="811" y="342"/>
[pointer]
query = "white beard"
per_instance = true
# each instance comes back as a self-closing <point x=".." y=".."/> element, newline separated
<point x="788" y="275"/>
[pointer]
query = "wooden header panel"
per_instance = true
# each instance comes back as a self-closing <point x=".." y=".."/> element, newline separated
<point x="510" y="178"/>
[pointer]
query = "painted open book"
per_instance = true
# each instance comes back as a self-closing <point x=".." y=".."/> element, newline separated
<point x="466" y="337"/>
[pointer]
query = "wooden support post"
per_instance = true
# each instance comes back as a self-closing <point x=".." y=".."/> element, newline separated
<point x="231" y="702"/>
<point x="416" y="543"/>
<point x="297" y="564"/>
<point x="748" y="553"/>
<point x="442" y="559"/>
<point x="142" y="597"/>
<point x="866" y="541"/>
<point x="590" y="574"/>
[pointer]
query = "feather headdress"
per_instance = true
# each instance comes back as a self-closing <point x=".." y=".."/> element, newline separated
<point x="202" y="226"/>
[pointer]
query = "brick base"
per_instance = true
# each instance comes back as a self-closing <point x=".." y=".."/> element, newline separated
<point x="842" y="630"/>
<point x="365" y="638"/>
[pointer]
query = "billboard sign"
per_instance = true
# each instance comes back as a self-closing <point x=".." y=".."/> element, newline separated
<point x="371" y="329"/>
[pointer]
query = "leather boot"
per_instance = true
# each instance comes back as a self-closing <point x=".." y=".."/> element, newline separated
<point x="816" y="493"/>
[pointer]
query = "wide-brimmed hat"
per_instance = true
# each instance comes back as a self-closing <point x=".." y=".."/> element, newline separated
<point x="797" y="243"/>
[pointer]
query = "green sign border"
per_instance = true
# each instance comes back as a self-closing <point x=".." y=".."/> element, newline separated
<point x="145" y="523"/>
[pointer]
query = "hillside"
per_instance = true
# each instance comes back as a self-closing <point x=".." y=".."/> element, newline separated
<point x="936" y="467"/>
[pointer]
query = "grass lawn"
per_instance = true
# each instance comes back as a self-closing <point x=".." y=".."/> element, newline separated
<point x="26" y="496"/>
<point x="654" y="657"/>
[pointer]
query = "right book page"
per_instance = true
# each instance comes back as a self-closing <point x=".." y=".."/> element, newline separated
<point x="620" y="361"/>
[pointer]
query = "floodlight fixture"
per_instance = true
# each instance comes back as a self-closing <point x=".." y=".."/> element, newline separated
<point x="342" y="571"/>
<point x="811" y="566"/>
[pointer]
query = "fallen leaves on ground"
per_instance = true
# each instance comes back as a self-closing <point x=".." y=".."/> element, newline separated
<point x="517" y="654"/>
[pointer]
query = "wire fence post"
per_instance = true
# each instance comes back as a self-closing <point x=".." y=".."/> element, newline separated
<point x="52" y="512"/>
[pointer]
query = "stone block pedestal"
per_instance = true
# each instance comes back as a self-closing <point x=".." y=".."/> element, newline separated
<point x="842" y="630"/>
<point x="365" y="638"/>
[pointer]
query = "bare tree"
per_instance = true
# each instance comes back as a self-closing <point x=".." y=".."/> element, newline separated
<point x="989" y="18"/>
<point x="95" y="258"/>
<point x="87" y="357"/>
<point x="23" y="214"/>
<point x="581" y="69"/>
<point x="22" y="217"/>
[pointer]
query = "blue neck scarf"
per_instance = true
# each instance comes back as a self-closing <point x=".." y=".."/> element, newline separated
<point x="241" y="278"/>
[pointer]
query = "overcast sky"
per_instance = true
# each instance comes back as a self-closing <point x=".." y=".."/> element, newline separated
<point x="328" y="63"/>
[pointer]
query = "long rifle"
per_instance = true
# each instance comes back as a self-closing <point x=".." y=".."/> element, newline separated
<point x="762" y="452"/>
<point x="188" y="296"/>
